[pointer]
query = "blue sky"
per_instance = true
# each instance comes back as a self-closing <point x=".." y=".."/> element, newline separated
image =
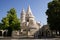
<point x="38" y="8"/>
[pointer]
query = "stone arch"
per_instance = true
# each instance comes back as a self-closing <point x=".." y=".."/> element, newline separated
<point x="5" y="33"/>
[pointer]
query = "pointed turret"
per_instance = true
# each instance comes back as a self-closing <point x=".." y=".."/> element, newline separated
<point x="23" y="16"/>
<point x="29" y="12"/>
<point x="23" y="12"/>
<point x="29" y="9"/>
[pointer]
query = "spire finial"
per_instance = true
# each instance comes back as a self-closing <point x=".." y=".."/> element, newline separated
<point x="23" y="11"/>
<point x="29" y="9"/>
<point x="29" y="6"/>
<point x="29" y="12"/>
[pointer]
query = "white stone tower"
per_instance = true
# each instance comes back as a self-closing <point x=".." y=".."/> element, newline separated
<point x="22" y="19"/>
<point x="29" y="26"/>
<point x="23" y="16"/>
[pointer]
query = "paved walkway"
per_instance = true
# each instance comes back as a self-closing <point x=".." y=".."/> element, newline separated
<point x="33" y="39"/>
<point x="17" y="37"/>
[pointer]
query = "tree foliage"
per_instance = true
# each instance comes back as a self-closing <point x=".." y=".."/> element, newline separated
<point x="53" y="13"/>
<point x="11" y="20"/>
<point x="1" y="26"/>
<point x="5" y="23"/>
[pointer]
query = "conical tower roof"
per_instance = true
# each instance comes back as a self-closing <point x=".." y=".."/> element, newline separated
<point x="23" y="12"/>
<point x="29" y="12"/>
<point x="22" y="16"/>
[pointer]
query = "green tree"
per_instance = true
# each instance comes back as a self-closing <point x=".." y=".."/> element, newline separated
<point x="13" y="20"/>
<point x="10" y="22"/>
<point x="53" y="13"/>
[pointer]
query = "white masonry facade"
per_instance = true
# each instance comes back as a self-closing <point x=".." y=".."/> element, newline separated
<point x="29" y="26"/>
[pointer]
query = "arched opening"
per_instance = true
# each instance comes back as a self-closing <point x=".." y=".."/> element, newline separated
<point x="5" y="33"/>
<point x="0" y="33"/>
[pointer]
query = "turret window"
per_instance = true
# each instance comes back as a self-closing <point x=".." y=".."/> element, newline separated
<point x="27" y="20"/>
